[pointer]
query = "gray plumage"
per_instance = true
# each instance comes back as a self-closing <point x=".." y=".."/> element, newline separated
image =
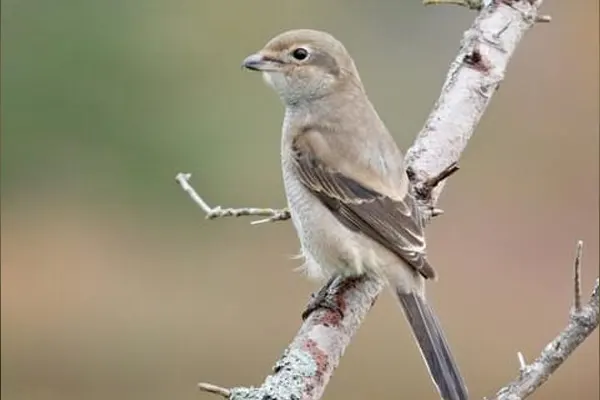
<point x="434" y="348"/>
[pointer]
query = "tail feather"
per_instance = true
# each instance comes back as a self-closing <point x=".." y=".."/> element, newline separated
<point x="433" y="346"/>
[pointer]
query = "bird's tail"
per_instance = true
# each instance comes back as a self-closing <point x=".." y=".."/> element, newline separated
<point x="433" y="346"/>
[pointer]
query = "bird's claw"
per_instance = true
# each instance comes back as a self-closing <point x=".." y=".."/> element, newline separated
<point x="322" y="299"/>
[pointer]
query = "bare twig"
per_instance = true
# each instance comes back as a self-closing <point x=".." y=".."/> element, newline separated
<point x="584" y="319"/>
<point x="470" y="4"/>
<point x="522" y="362"/>
<point x="435" y="212"/>
<point x="424" y="189"/>
<point x="210" y="388"/>
<point x="307" y="364"/>
<point x="218" y="212"/>
<point x="543" y="19"/>
<point x="577" y="277"/>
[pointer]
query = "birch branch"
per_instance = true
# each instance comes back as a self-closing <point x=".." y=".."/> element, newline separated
<point x="306" y="366"/>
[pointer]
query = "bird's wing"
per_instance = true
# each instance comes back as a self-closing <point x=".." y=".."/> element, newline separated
<point x="394" y="223"/>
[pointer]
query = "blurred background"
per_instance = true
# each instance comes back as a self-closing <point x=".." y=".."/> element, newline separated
<point x="113" y="284"/>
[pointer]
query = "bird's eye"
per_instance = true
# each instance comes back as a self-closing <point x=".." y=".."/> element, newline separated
<point x="300" y="54"/>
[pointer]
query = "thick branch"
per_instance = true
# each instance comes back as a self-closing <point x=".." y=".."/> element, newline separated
<point x="307" y="364"/>
<point x="309" y="361"/>
<point x="473" y="78"/>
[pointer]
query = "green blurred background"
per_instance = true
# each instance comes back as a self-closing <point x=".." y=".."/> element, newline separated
<point x="113" y="284"/>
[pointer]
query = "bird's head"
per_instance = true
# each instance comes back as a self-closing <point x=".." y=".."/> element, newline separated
<point x="303" y="65"/>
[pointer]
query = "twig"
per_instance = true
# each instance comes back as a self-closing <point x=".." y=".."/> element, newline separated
<point x="218" y="212"/>
<point x="425" y="189"/>
<point x="210" y="388"/>
<point x="522" y="362"/>
<point x="470" y="4"/>
<point x="583" y="321"/>
<point x="577" y="278"/>
<point x="543" y="19"/>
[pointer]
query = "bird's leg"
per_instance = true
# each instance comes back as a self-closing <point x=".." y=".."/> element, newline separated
<point x="327" y="296"/>
<point x="324" y="299"/>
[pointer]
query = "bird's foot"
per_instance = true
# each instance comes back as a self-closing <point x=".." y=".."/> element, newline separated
<point x="324" y="299"/>
<point x="327" y="297"/>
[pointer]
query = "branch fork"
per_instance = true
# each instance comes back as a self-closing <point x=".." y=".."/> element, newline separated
<point x="583" y="320"/>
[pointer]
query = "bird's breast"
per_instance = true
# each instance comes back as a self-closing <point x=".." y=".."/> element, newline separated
<point x="327" y="245"/>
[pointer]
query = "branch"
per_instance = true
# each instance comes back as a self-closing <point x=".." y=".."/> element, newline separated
<point x="308" y="363"/>
<point x="218" y="212"/>
<point x="472" y="80"/>
<point x="582" y="322"/>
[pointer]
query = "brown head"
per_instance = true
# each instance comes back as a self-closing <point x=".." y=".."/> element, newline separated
<point x="303" y="65"/>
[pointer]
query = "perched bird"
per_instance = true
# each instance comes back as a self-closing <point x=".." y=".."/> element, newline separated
<point x="347" y="188"/>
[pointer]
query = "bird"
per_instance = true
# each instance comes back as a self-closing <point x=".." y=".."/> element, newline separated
<point x="347" y="188"/>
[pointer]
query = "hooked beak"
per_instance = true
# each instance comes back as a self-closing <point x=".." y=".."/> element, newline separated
<point x="260" y="62"/>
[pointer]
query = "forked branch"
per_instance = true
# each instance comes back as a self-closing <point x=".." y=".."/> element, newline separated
<point x="582" y="322"/>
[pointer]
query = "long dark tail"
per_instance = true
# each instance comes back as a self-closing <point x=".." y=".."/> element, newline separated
<point x="434" y="348"/>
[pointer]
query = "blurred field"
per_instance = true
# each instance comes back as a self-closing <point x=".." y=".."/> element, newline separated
<point x="115" y="287"/>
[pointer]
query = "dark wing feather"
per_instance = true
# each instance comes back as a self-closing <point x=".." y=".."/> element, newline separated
<point x="396" y="225"/>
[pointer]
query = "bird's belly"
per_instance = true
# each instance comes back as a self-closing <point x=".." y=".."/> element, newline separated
<point x="329" y="248"/>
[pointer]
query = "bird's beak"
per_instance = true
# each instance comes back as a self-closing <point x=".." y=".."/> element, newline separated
<point x="260" y="62"/>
